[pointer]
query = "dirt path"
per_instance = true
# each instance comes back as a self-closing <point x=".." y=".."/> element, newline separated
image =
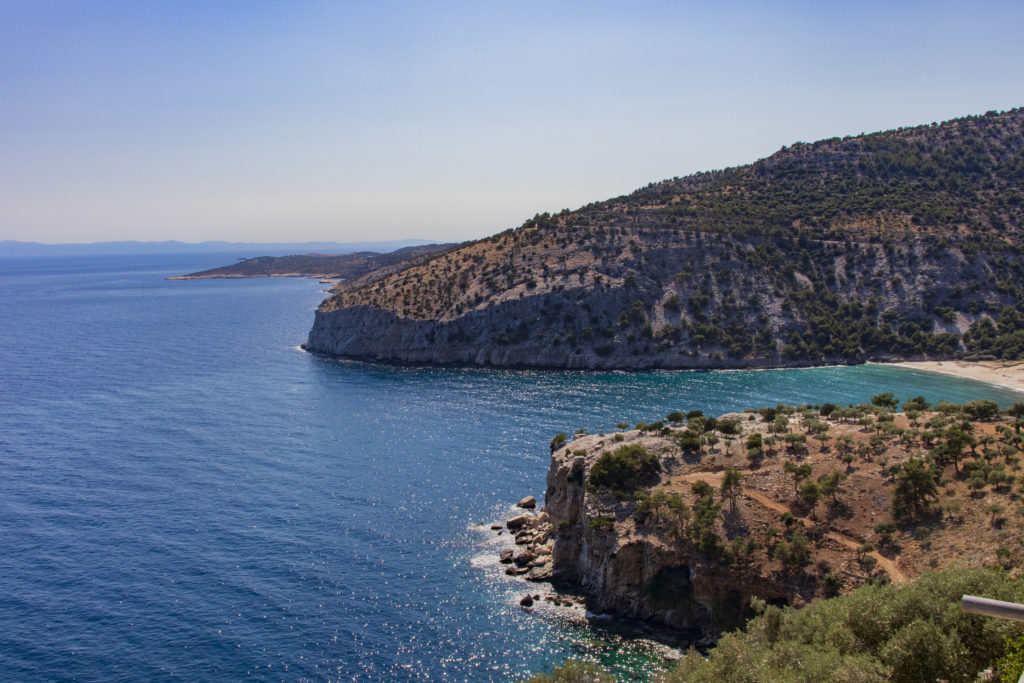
<point x="715" y="479"/>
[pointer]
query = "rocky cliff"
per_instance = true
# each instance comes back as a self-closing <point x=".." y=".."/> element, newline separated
<point x="637" y="574"/>
<point x="902" y="244"/>
<point x="672" y="525"/>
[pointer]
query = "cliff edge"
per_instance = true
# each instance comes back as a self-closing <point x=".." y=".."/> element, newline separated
<point x="685" y="523"/>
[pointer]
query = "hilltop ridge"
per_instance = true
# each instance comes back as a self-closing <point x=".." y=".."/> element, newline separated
<point x="902" y="244"/>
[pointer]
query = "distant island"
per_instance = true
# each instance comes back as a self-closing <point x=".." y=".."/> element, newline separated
<point x="329" y="266"/>
<point x="16" y="249"/>
<point x="903" y="244"/>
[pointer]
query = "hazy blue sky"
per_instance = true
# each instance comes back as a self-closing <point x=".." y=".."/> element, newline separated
<point x="346" y="121"/>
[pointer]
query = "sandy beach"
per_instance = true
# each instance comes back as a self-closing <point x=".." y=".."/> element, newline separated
<point x="1009" y="374"/>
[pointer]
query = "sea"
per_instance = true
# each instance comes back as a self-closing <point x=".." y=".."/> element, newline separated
<point x="187" y="495"/>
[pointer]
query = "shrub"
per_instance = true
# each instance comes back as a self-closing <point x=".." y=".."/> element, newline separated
<point x="795" y="553"/>
<point x="916" y="632"/>
<point x="917" y="403"/>
<point x="574" y="672"/>
<point x="832" y="583"/>
<point x="560" y="440"/>
<point x="755" y="441"/>
<point x="886" y="401"/>
<point x="624" y="469"/>
<point x="690" y="441"/>
<point x="1010" y="665"/>
<point x="981" y="410"/>
<point x="885" y="531"/>
<point x="729" y="426"/>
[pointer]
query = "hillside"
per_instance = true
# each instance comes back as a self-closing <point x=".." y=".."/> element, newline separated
<point x="334" y="266"/>
<point x="683" y="521"/>
<point x="899" y="244"/>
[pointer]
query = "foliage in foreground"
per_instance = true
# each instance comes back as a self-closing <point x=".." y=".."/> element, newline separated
<point x="877" y="633"/>
<point x="574" y="672"/>
<point x="1011" y="664"/>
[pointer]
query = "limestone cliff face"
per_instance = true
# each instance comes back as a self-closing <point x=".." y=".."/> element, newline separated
<point x="640" y="576"/>
<point x="369" y="332"/>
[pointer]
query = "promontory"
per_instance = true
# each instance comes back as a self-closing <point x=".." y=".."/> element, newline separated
<point x="903" y="244"/>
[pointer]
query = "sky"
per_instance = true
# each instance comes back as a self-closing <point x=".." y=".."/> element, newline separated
<point x="341" y="121"/>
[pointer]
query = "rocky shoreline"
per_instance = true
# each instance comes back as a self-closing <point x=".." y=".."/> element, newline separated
<point x="532" y="559"/>
<point x="534" y="538"/>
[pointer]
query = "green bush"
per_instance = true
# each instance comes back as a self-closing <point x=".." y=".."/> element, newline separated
<point x="916" y="632"/>
<point x="981" y="410"/>
<point x="573" y="672"/>
<point x="729" y="426"/>
<point x="1011" y="664"/>
<point x="623" y="469"/>
<point x="690" y="441"/>
<point x="560" y="440"/>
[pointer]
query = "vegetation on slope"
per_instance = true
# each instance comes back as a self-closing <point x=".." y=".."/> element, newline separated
<point x="827" y="497"/>
<point x="911" y="633"/>
<point x="875" y="246"/>
<point x="916" y="632"/>
<point x="801" y="493"/>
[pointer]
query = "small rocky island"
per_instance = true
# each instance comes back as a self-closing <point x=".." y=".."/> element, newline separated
<point x="687" y="522"/>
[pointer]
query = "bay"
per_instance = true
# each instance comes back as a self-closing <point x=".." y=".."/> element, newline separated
<point x="185" y="494"/>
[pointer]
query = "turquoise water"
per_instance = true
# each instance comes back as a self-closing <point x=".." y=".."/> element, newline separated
<point x="188" y="496"/>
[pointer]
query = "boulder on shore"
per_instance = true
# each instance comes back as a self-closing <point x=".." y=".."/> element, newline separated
<point x="518" y="522"/>
<point x="542" y="573"/>
<point x="524" y="558"/>
<point x="527" y="503"/>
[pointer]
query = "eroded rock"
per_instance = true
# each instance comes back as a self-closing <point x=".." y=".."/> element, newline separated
<point x="518" y="522"/>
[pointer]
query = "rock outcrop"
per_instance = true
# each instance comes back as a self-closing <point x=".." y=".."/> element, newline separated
<point x="531" y="558"/>
<point x="640" y="576"/>
<point x="671" y="525"/>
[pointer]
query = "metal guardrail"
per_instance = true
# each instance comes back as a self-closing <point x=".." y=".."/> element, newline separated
<point x="994" y="608"/>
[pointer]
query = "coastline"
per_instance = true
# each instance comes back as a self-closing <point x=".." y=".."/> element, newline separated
<point x="1008" y="374"/>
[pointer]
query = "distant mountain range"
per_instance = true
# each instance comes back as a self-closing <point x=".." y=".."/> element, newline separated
<point x="16" y="249"/>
